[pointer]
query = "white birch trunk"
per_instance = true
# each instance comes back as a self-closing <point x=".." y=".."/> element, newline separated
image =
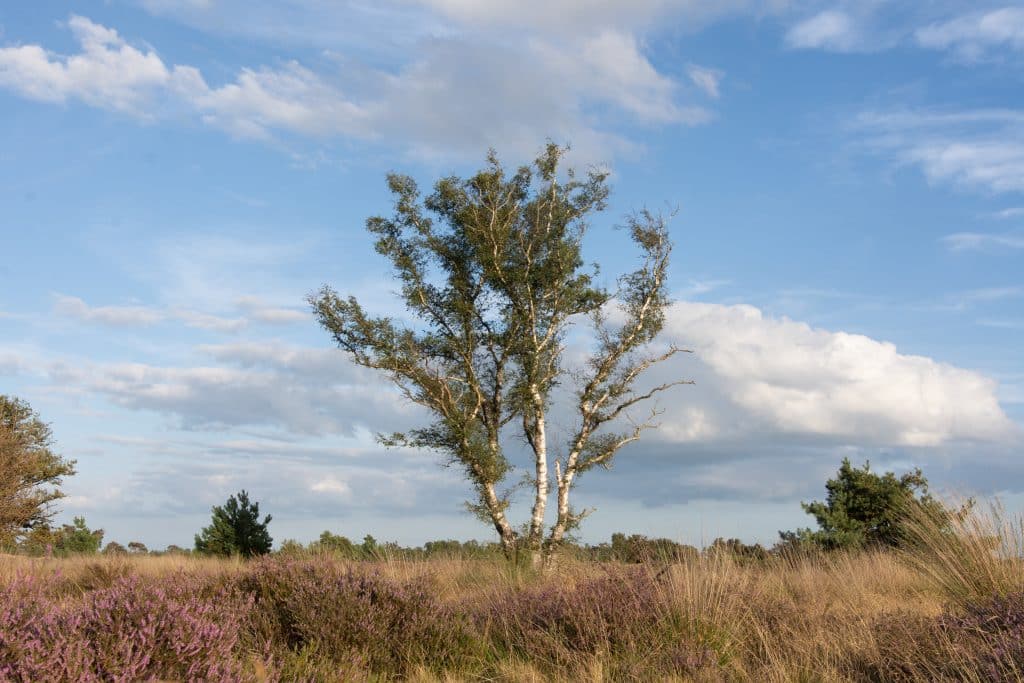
<point x="540" y="453"/>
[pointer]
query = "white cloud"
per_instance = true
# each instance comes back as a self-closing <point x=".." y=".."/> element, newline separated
<point x="454" y="94"/>
<point x="974" y="35"/>
<point x="107" y="73"/>
<point x="299" y="391"/>
<point x="965" y="241"/>
<point x="976" y="149"/>
<point x="831" y="29"/>
<point x="252" y="308"/>
<point x="207" y="321"/>
<point x="121" y="316"/>
<point x="331" y="486"/>
<point x="259" y="102"/>
<point x="706" y="79"/>
<point x="1012" y="212"/>
<point x="990" y="294"/>
<point x="991" y="163"/>
<point x="763" y="376"/>
<point x="261" y="311"/>
<point x="609" y="66"/>
<point x="972" y="30"/>
<point x="968" y="299"/>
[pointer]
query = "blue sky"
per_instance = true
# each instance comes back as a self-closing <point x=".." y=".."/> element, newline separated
<point x="176" y="176"/>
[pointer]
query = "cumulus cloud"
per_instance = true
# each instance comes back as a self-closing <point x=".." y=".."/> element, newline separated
<point x="260" y="101"/>
<point x="107" y="73"/>
<point x="763" y="376"/>
<point x="974" y="149"/>
<point x="457" y="93"/>
<point x="975" y="35"/>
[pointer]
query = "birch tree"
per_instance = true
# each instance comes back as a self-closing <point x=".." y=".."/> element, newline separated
<point x="492" y="277"/>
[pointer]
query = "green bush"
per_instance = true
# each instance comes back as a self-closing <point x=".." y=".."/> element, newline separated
<point x="236" y="529"/>
<point x="77" y="538"/>
<point x="864" y="509"/>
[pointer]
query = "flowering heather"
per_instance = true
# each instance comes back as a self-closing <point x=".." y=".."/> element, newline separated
<point x="133" y="630"/>
<point x="864" y="616"/>
<point x="991" y="634"/>
<point x="626" y="615"/>
<point x="352" y="616"/>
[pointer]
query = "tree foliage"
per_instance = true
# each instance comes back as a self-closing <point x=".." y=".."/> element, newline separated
<point x="236" y="529"/>
<point x="737" y="550"/>
<point x="114" y="548"/>
<point x="78" y="538"/>
<point x="863" y="508"/>
<point x="30" y="472"/>
<point x="637" y="548"/>
<point x="491" y="270"/>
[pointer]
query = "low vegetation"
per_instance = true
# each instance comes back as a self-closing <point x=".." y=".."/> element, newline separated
<point x="946" y="605"/>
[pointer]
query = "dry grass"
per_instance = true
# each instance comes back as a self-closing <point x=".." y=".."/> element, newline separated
<point x="870" y="616"/>
<point x="980" y="556"/>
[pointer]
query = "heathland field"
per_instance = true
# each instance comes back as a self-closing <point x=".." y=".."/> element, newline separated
<point x="947" y="606"/>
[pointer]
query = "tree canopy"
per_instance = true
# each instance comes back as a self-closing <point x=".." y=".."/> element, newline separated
<point x="863" y="508"/>
<point x="30" y="471"/>
<point x="236" y="529"/>
<point x="491" y="271"/>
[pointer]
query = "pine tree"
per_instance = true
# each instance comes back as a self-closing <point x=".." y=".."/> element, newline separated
<point x="863" y="509"/>
<point x="236" y="529"/>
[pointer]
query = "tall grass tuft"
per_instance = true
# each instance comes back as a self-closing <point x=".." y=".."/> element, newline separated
<point x="971" y="555"/>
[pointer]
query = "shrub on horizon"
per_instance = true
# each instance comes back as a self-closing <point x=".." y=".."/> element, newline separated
<point x="114" y="548"/>
<point x="77" y="538"/>
<point x="639" y="549"/>
<point x="863" y="509"/>
<point x="236" y="529"/>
